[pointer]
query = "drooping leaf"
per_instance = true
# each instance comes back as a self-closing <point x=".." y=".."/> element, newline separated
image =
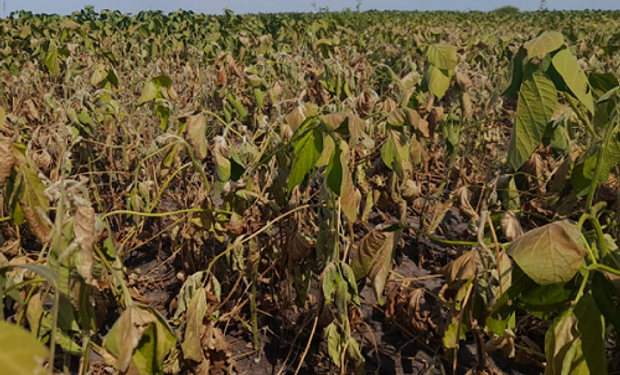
<point x="20" y="352"/>
<point x="544" y="44"/>
<point x="196" y="129"/>
<point x="221" y="152"/>
<point x="537" y="101"/>
<point x="374" y="257"/>
<point x="408" y="116"/>
<point x="566" y="65"/>
<point x="551" y="254"/>
<point x="191" y="346"/>
<point x="437" y="80"/>
<point x="33" y="202"/>
<point x="602" y="292"/>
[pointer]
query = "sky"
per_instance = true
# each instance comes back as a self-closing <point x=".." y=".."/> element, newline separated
<point x="272" y="6"/>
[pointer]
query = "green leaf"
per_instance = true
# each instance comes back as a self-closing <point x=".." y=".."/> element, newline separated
<point x="544" y="44"/>
<point x="140" y="338"/>
<point x="374" y="257"/>
<point x="334" y="171"/>
<point x="537" y="101"/>
<point x="307" y="152"/>
<point x="583" y="172"/>
<point x="443" y="57"/>
<point x="575" y="344"/>
<point x="152" y="88"/>
<point x="603" y="296"/>
<point x="20" y="352"/>
<point x="516" y="72"/>
<point x="551" y="254"/>
<point x="334" y="342"/>
<point x="574" y="78"/>
<point x="437" y="80"/>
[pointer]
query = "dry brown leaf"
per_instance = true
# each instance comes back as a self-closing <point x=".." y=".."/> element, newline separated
<point x="37" y="226"/>
<point x="504" y="344"/>
<point x="510" y="225"/>
<point x="433" y="119"/>
<point x="463" y="268"/>
<point x="84" y="228"/>
<point x="7" y="159"/>
<point x="196" y="128"/>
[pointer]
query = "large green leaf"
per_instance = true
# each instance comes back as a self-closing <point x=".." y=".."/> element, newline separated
<point x="537" y="101"/>
<point x="551" y="254"/>
<point x="307" y="152"/>
<point x="574" y="78"/>
<point x="544" y="44"/>
<point x="20" y="352"/>
<point x="443" y="57"/>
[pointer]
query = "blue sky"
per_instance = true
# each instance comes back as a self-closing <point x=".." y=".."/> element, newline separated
<point x="269" y="6"/>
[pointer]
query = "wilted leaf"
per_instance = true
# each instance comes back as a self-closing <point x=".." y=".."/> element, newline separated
<point x="196" y="129"/>
<point x="223" y="166"/>
<point x="463" y="268"/>
<point x="20" y="352"/>
<point x="374" y="257"/>
<point x="408" y="116"/>
<point x="140" y="338"/>
<point x="551" y="254"/>
<point x="191" y="346"/>
<point x="438" y="80"/>
<point x="33" y="202"/>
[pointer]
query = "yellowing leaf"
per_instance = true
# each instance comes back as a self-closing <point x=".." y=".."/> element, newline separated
<point x="547" y="42"/>
<point x="438" y="80"/>
<point x="551" y="254"/>
<point x="443" y="57"/>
